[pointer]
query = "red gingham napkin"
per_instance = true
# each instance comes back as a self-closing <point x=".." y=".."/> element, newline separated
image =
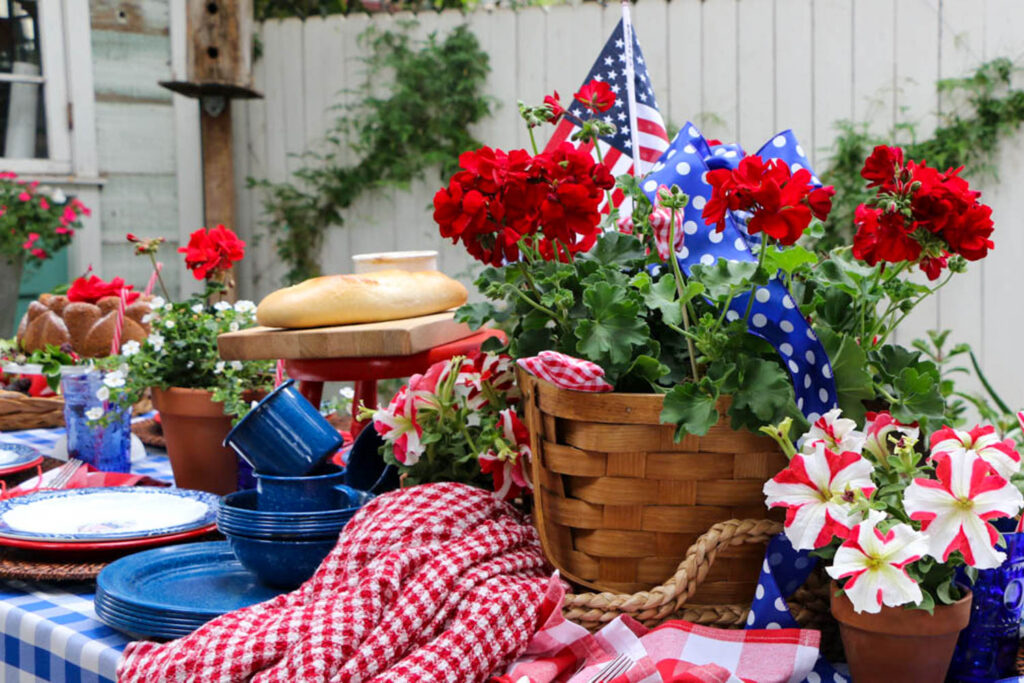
<point x="675" y="652"/>
<point x="439" y="583"/>
<point x="566" y="372"/>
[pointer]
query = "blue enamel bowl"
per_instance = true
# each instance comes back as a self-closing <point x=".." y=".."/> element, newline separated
<point x="284" y="434"/>
<point x="300" y="494"/>
<point x="282" y="564"/>
<point x="238" y="514"/>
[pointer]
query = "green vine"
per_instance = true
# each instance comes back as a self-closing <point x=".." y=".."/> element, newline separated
<point x="986" y="108"/>
<point x="422" y="122"/>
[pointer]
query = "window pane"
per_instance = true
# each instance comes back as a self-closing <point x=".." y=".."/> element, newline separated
<point x="22" y="112"/>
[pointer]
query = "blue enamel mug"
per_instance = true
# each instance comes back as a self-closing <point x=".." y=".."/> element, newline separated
<point x="284" y="434"/>
<point x="310" y="493"/>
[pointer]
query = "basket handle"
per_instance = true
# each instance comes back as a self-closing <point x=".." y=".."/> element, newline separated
<point x="664" y="600"/>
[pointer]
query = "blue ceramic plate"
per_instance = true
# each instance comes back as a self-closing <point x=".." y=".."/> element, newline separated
<point x="106" y="514"/>
<point x="141" y="627"/>
<point x="193" y="580"/>
<point x="16" y="457"/>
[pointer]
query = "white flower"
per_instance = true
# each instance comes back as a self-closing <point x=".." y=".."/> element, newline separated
<point x="156" y="340"/>
<point x="236" y="365"/>
<point x="58" y="196"/>
<point x="347" y="393"/>
<point x="233" y="327"/>
<point x="198" y="308"/>
<point x="157" y="302"/>
<point x="874" y="564"/>
<point x="838" y="434"/>
<point x="103" y="393"/>
<point x="245" y="306"/>
<point x="130" y="348"/>
<point x="114" y="379"/>
<point x="169" y="324"/>
<point x="956" y="508"/>
<point x="218" y="368"/>
<point x="984" y="441"/>
<point x="147" y="318"/>
<point x="222" y="306"/>
<point x="94" y="413"/>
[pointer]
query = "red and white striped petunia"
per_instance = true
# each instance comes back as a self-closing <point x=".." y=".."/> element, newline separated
<point x="397" y="425"/>
<point x="510" y="465"/>
<point x="984" y="441"/>
<point x="879" y="427"/>
<point x="817" y="490"/>
<point x="956" y="508"/>
<point x="839" y="434"/>
<point x="874" y="564"/>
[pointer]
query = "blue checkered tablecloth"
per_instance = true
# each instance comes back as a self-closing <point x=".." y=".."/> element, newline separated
<point x="50" y="632"/>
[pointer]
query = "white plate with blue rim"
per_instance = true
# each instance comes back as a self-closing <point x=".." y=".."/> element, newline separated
<point x="17" y="457"/>
<point x="91" y="515"/>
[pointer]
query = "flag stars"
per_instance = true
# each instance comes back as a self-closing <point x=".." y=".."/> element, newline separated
<point x="622" y="116"/>
<point x="608" y="61"/>
<point x="619" y="43"/>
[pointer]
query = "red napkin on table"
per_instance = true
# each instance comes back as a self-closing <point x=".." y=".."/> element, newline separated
<point x="566" y="372"/>
<point x="439" y="583"/>
<point x="87" y="476"/>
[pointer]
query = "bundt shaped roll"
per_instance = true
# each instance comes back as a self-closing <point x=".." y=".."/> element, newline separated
<point x="88" y="328"/>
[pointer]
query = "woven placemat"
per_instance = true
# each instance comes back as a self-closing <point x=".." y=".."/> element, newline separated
<point x="27" y="566"/>
<point x="150" y="432"/>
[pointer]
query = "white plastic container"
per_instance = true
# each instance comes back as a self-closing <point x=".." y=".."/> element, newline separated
<point x="411" y="261"/>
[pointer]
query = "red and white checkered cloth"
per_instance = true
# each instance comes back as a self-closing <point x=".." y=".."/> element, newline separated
<point x="439" y="583"/>
<point x="566" y="372"/>
<point x="675" y="652"/>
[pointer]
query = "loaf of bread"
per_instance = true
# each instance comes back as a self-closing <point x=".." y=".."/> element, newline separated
<point x="88" y="328"/>
<point x="375" y="297"/>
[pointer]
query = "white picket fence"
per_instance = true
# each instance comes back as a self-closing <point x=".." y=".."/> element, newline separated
<point x="739" y="69"/>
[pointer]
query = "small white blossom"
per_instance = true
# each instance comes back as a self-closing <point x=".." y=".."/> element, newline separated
<point x="222" y="306"/>
<point x="94" y="413"/>
<point x="147" y="318"/>
<point x="58" y="197"/>
<point x="191" y="364"/>
<point x="103" y="393"/>
<point x="156" y="340"/>
<point x="347" y="393"/>
<point x="197" y="308"/>
<point x="219" y="367"/>
<point x="130" y="348"/>
<point x="169" y="324"/>
<point x="233" y="327"/>
<point x="114" y="379"/>
<point x="245" y="306"/>
<point x="236" y="365"/>
<point x="157" y="302"/>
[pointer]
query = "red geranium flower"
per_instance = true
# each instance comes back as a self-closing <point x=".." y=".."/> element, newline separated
<point x="92" y="288"/>
<point x="557" y="110"/>
<point x="597" y="96"/>
<point x="211" y="251"/>
<point x="882" y="166"/>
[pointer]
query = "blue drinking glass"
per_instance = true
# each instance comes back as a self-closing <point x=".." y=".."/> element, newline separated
<point x="106" y="447"/>
<point x="987" y="648"/>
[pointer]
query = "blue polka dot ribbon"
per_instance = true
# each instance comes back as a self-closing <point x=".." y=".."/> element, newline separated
<point x="784" y="570"/>
<point x="774" y="315"/>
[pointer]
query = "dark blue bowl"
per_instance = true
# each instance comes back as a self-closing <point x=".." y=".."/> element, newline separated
<point x="280" y="563"/>
<point x="284" y="434"/>
<point x="238" y="513"/>
<point x="300" y="494"/>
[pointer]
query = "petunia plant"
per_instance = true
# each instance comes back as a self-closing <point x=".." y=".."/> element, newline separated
<point x="35" y="221"/>
<point x="892" y="524"/>
<point x="457" y="422"/>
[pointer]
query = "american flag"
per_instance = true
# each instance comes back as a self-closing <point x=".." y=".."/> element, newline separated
<point x="616" y="150"/>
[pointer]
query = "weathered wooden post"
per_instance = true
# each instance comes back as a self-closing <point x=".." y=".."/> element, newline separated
<point x="218" y="70"/>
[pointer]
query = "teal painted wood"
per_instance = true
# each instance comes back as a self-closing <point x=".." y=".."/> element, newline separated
<point x="37" y="280"/>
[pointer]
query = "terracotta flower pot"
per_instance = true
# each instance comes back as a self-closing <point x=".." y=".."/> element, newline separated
<point x="194" y="429"/>
<point x="900" y="644"/>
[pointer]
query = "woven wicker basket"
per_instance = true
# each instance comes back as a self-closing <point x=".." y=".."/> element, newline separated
<point x="618" y="503"/>
<point x="20" y="411"/>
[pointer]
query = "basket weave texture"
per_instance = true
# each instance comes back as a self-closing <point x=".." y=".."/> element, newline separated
<point x="618" y="503"/>
<point x="21" y="411"/>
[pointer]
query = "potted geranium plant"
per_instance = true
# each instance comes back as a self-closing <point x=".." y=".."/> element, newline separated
<point x="893" y="525"/>
<point x="198" y="395"/>
<point x="35" y="223"/>
<point x="707" y="308"/>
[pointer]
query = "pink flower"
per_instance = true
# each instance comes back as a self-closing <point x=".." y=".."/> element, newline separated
<point x="837" y="433"/>
<point x="956" y="508"/>
<point x="80" y="207"/>
<point x="874" y="564"/>
<point x="817" y="490"/>
<point x="69" y="215"/>
<point x="397" y="425"/>
<point x="33" y="237"/>
<point x="510" y="464"/>
<point x="661" y="224"/>
<point x="984" y="441"/>
<point x="881" y="426"/>
<point x="43" y="204"/>
<point x="24" y="196"/>
<point x="40" y="254"/>
<point x="7" y="175"/>
<point x="64" y="230"/>
<point x="484" y="376"/>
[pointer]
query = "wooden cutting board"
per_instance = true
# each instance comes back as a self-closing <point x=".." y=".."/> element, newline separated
<point x="392" y="338"/>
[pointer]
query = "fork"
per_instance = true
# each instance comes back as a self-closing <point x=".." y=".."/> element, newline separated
<point x="616" y="667"/>
<point x="64" y="474"/>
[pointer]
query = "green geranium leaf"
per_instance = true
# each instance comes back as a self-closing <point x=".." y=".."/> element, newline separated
<point x="614" y="249"/>
<point x="919" y="398"/>
<point x="642" y="375"/>
<point x="613" y="327"/>
<point x="722" y="280"/>
<point x="854" y="383"/>
<point x="660" y="296"/>
<point x="788" y="260"/>
<point x="476" y="315"/>
<point x="764" y="395"/>
<point x="691" y="409"/>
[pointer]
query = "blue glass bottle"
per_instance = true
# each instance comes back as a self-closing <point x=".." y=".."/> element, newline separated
<point x="987" y="649"/>
<point x="105" y="447"/>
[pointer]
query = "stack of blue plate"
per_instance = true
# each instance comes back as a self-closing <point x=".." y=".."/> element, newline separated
<point x="284" y="548"/>
<point x="170" y="592"/>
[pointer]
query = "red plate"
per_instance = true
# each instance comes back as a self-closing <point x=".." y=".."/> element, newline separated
<point x="63" y="546"/>
<point x="4" y="471"/>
